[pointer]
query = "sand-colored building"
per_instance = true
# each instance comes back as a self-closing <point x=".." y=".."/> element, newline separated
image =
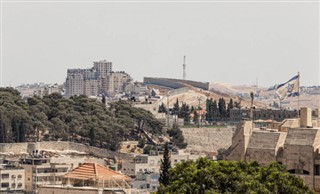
<point x="295" y="144"/>
<point x="11" y="179"/>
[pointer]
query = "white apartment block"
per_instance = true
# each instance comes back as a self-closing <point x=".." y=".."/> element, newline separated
<point x="74" y="82"/>
<point x="103" y="68"/>
<point x="150" y="163"/>
<point x="40" y="171"/>
<point x="91" y="87"/>
<point x="100" y="79"/>
<point x="12" y="179"/>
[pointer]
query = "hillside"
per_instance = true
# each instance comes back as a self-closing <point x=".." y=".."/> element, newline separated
<point x="191" y="96"/>
<point x="77" y="119"/>
<point x="266" y="97"/>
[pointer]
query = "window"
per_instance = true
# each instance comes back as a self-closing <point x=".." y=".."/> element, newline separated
<point x="19" y="176"/>
<point x="13" y="176"/>
<point x="13" y="185"/>
<point x="4" y="185"/>
<point x="19" y="185"/>
<point x="317" y="169"/>
<point x="5" y="176"/>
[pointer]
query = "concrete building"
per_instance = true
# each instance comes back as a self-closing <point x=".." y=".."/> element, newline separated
<point x="295" y="144"/>
<point x="74" y="82"/>
<point x="265" y="114"/>
<point x="12" y="178"/>
<point x="91" y="87"/>
<point x="39" y="171"/>
<point x="104" y="68"/>
<point x="115" y="83"/>
<point x="145" y="168"/>
<point x="100" y="79"/>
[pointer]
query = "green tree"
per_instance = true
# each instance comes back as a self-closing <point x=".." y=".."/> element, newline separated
<point x="230" y="106"/>
<point x="177" y="136"/>
<point x="222" y="107"/>
<point x="184" y="112"/>
<point x="162" y="108"/>
<point x="164" y="178"/>
<point x="103" y="100"/>
<point x="176" y="107"/>
<point x="209" y="110"/>
<point x="205" y="176"/>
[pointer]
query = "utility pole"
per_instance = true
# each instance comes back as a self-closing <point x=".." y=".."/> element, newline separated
<point x="199" y="115"/>
<point x="168" y="109"/>
<point x="184" y="68"/>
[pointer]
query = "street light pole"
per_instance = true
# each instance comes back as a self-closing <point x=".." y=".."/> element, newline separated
<point x="199" y="115"/>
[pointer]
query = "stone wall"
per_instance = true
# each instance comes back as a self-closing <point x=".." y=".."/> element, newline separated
<point x="28" y="147"/>
<point x="14" y="147"/>
<point x="207" y="139"/>
<point x="175" y="83"/>
<point x="240" y="141"/>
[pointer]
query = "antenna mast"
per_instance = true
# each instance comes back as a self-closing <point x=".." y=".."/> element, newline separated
<point x="184" y="68"/>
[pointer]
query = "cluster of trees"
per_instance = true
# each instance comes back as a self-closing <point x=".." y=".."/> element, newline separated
<point x="182" y="111"/>
<point x="76" y="119"/>
<point x="214" y="109"/>
<point x="219" y="109"/>
<point x="206" y="176"/>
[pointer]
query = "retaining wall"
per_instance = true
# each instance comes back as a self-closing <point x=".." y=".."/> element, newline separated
<point x="28" y="147"/>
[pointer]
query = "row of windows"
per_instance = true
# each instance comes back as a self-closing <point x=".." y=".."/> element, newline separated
<point x="6" y="176"/>
<point x="13" y="185"/>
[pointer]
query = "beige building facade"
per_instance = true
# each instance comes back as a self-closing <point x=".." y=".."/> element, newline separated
<point x="12" y="179"/>
<point x="100" y="79"/>
<point x="295" y="144"/>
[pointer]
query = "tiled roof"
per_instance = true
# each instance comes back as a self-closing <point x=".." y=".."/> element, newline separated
<point x="96" y="172"/>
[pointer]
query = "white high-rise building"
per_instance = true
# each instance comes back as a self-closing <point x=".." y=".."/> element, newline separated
<point x="100" y="79"/>
<point x="74" y="82"/>
<point x="104" y="68"/>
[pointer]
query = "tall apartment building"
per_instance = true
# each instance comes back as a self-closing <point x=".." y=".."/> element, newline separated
<point x="115" y="82"/>
<point x="74" y="82"/>
<point x="103" y="68"/>
<point x="100" y="79"/>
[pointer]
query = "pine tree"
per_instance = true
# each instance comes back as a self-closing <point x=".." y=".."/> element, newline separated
<point x="162" y="108"/>
<point x="176" y="108"/>
<point x="230" y="106"/>
<point x="164" y="178"/>
<point x="103" y="99"/>
<point x="222" y="107"/>
<point x="184" y="112"/>
<point x="92" y="136"/>
<point x="215" y="110"/>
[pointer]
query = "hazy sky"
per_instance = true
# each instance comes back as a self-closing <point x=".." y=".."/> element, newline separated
<point x="233" y="42"/>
